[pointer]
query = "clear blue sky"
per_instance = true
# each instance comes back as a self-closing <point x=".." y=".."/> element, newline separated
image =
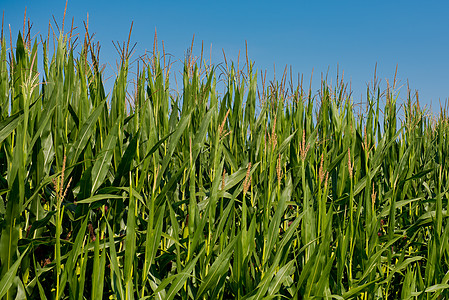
<point x="306" y="35"/>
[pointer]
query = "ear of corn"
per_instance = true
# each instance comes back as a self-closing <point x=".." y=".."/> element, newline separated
<point x="266" y="192"/>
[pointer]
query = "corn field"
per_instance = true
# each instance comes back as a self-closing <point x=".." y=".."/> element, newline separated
<point x="263" y="191"/>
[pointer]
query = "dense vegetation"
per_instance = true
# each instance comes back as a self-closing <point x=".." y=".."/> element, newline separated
<point x="268" y="191"/>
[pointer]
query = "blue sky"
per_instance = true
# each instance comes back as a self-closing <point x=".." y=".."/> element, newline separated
<point x="306" y="35"/>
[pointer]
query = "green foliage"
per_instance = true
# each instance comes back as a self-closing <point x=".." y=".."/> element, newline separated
<point x="195" y="196"/>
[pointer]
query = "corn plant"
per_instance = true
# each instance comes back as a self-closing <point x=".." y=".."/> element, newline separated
<point x="269" y="191"/>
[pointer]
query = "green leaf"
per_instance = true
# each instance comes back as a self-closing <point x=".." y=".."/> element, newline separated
<point x="281" y="277"/>
<point x="183" y="275"/>
<point x="218" y="268"/>
<point x="8" y="278"/>
<point x="99" y="197"/>
<point x="84" y="135"/>
<point x="103" y="159"/>
<point x="8" y="125"/>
